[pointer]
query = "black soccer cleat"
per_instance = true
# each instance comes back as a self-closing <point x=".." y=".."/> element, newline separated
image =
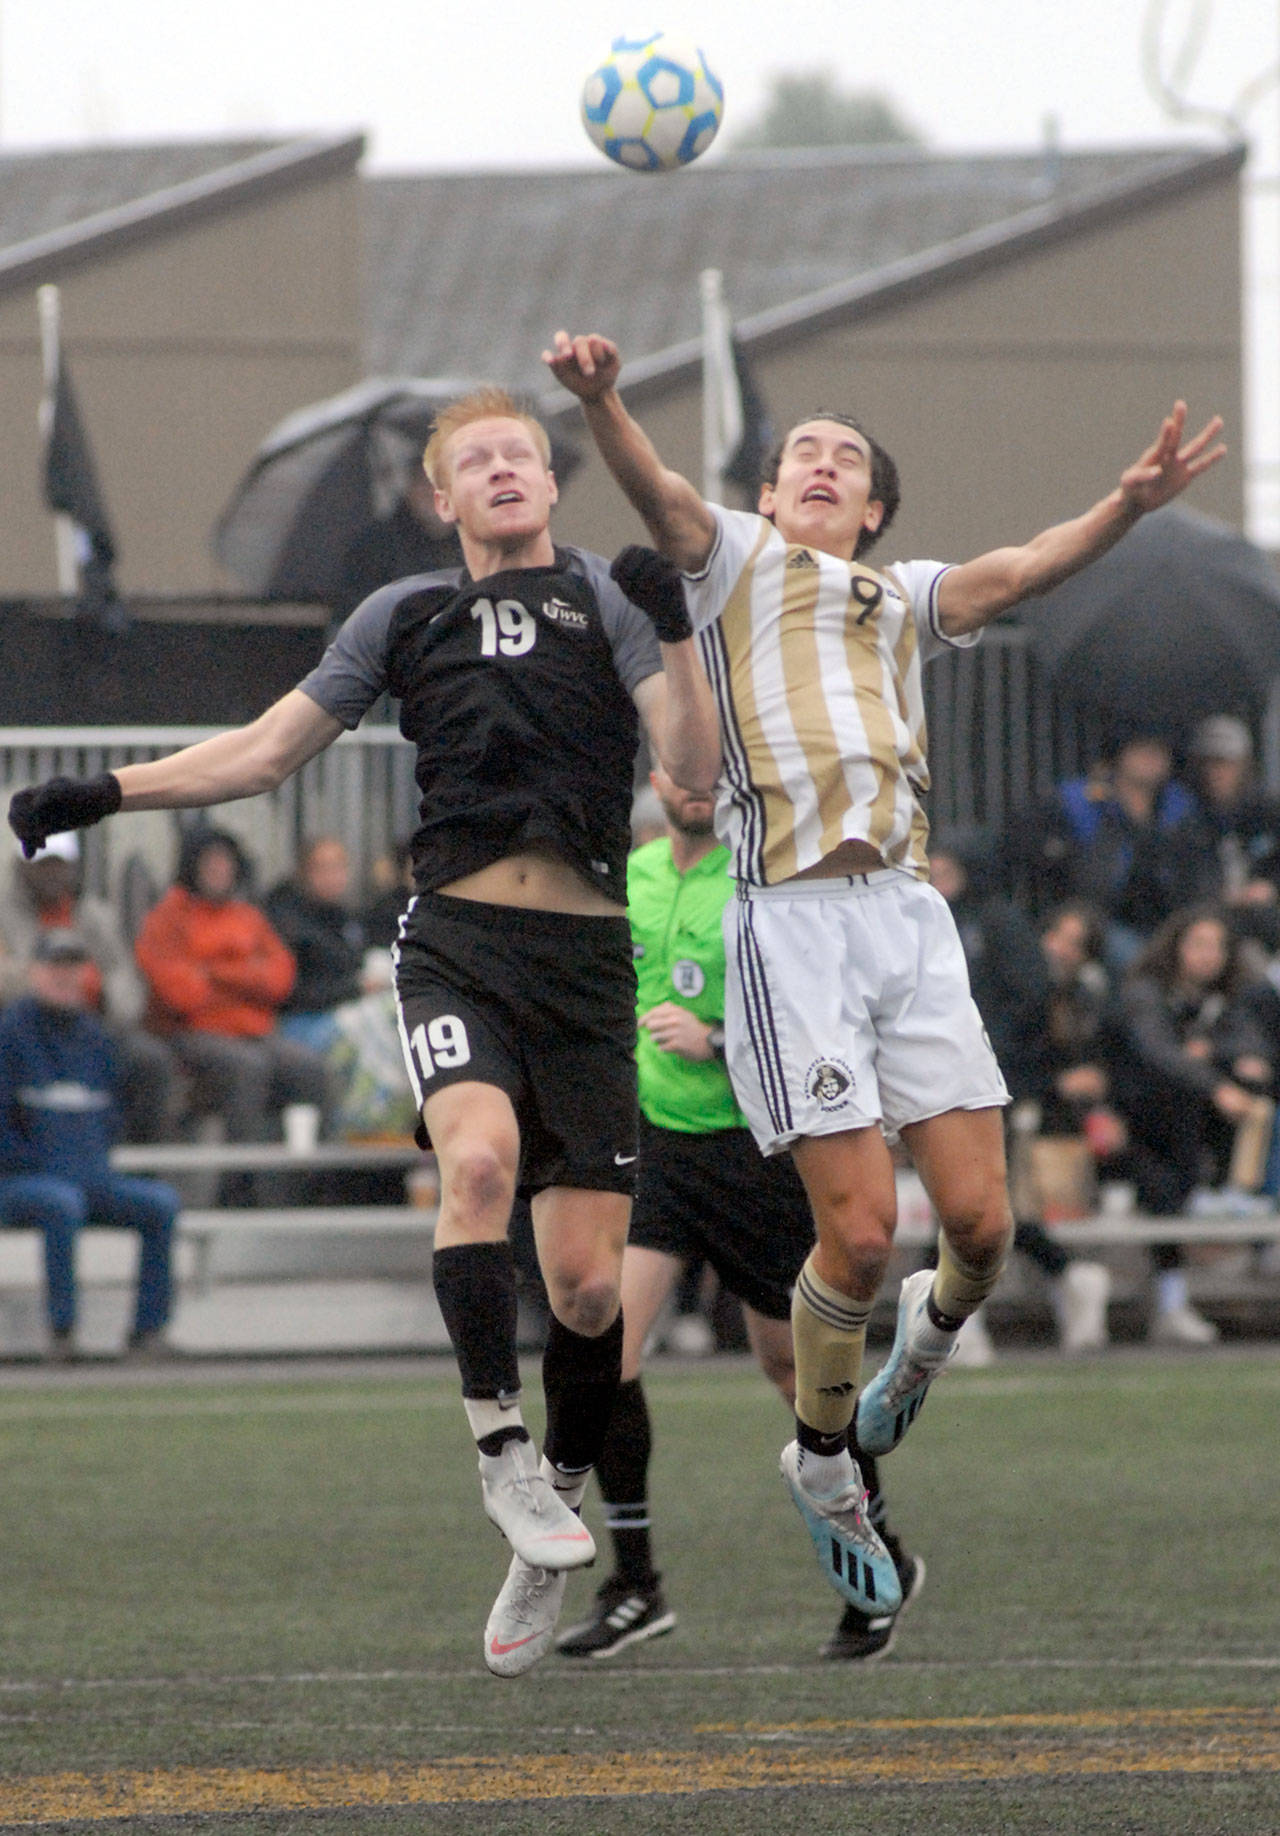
<point x="862" y="1637"/>
<point x="624" y="1615"/>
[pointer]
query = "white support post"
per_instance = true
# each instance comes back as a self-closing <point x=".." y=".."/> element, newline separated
<point x="49" y="305"/>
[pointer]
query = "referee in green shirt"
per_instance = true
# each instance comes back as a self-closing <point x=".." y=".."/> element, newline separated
<point x="704" y="1191"/>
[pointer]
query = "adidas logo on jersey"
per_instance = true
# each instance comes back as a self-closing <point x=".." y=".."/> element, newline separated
<point x="560" y="612"/>
<point x="800" y="559"/>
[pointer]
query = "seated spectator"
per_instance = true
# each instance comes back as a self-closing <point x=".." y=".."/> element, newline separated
<point x="44" y="893"/>
<point x="393" y="888"/>
<point x="1108" y="839"/>
<point x="1187" y="1059"/>
<point x="1231" y="836"/>
<point x="1010" y="979"/>
<point x="58" y="1112"/>
<point x="311" y="913"/>
<point x="374" y="1099"/>
<point x="1080" y="996"/>
<point x="218" y="974"/>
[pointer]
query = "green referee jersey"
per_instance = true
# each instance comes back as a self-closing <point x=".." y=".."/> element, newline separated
<point x="679" y="956"/>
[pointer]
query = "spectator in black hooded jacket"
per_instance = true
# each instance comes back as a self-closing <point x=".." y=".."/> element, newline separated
<point x="311" y="913"/>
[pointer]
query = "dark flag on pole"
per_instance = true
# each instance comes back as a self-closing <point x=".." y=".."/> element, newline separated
<point x="71" y="489"/>
<point x="746" y="463"/>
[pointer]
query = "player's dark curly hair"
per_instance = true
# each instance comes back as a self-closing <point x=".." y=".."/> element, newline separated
<point x="885" y="485"/>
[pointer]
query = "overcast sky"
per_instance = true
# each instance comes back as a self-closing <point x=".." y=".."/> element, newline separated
<point x="496" y="83"/>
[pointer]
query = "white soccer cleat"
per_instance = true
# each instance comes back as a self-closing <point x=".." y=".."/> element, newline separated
<point x="539" y="1526"/>
<point x="895" y="1395"/>
<point x="523" y="1620"/>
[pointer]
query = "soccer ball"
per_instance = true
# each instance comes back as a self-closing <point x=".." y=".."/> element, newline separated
<point x="653" y="104"/>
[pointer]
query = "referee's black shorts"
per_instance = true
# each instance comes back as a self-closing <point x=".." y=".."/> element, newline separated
<point x="715" y="1195"/>
<point x="541" y="1004"/>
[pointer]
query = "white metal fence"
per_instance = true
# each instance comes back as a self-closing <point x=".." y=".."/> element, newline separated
<point x="998" y="739"/>
<point x="360" y="788"/>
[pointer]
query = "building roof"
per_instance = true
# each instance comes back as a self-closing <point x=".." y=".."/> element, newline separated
<point x="468" y="273"/>
<point x="61" y="208"/>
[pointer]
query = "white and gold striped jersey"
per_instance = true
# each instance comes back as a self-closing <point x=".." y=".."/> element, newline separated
<point x="815" y="663"/>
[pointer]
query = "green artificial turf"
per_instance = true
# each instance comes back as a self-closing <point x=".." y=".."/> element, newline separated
<point x="288" y="1577"/>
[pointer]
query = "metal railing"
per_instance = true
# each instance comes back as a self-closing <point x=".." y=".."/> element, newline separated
<point x="999" y="739"/>
<point x="360" y="788"/>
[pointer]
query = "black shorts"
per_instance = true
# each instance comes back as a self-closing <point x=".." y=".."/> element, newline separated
<point x="715" y="1195"/>
<point x="540" y="1004"/>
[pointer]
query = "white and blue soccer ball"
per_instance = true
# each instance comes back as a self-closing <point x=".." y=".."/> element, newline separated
<point x="654" y="104"/>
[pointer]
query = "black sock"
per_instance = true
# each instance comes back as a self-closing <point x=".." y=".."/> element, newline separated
<point x="475" y="1286"/>
<point x="580" y="1378"/>
<point x="814" y="1441"/>
<point x="623" y="1472"/>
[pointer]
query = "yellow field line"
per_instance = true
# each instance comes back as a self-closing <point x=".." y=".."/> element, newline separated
<point x="979" y="1750"/>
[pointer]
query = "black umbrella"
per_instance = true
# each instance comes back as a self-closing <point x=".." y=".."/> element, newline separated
<point x="1179" y="620"/>
<point x="327" y="476"/>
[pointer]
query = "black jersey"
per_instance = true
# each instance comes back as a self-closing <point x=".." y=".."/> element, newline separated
<point x="514" y="690"/>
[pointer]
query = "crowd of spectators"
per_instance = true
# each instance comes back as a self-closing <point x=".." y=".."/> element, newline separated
<point x="1123" y="939"/>
<point x="225" y="1008"/>
<point x="1122" y="935"/>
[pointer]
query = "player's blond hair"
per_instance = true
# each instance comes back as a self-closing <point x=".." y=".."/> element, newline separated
<point x="487" y="403"/>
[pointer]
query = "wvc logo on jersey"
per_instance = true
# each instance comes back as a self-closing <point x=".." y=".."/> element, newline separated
<point x="830" y="1082"/>
<point x="560" y="612"/>
<point x="687" y="978"/>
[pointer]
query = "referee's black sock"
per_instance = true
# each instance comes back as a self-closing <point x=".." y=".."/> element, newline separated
<point x="580" y="1378"/>
<point x="623" y="1472"/>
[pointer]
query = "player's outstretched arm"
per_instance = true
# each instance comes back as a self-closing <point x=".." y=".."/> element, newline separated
<point x="240" y="763"/>
<point x="677" y="706"/>
<point x="971" y="595"/>
<point x="681" y="525"/>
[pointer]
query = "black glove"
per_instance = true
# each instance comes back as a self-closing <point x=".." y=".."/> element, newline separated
<point x="652" y="583"/>
<point x="61" y="804"/>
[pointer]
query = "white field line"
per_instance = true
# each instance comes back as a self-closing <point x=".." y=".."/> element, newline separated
<point x="342" y="1679"/>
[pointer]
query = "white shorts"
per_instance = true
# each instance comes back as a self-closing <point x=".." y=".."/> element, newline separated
<point x="847" y="1004"/>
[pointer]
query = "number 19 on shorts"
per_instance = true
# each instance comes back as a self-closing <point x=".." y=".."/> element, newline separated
<point x="439" y="1045"/>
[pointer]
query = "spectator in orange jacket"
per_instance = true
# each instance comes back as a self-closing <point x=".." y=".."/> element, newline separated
<point x="217" y="974"/>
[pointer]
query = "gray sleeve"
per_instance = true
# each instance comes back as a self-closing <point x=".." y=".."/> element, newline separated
<point x="636" y="654"/>
<point x="352" y="673"/>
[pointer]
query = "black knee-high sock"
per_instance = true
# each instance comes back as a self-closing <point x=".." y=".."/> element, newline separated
<point x="623" y="1472"/>
<point x="580" y="1378"/>
<point x="475" y="1286"/>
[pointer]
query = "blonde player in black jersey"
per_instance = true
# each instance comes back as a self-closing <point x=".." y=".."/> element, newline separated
<point x="519" y="677"/>
<point x="849" y="1017"/>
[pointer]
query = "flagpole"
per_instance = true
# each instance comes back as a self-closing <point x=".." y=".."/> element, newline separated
<point x="721" y="403"/>
<point x="49" y="306"/>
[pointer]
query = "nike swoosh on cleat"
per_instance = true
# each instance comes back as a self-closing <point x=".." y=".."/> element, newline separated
<point x="624" y="1160"/>
<point x="502" y="1650"/>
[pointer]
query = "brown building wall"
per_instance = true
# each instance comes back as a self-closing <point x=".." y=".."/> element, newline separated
<point x="1011" y="397"/>
<point x="185" y="350"/>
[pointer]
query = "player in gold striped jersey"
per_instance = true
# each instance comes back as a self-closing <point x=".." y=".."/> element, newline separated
<point x="849" y="1020"/>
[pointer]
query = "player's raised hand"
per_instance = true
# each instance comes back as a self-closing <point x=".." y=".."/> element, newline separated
<point x="587" y="365"/>
<point x="651" y="582"/>
<point x="1169" y="464"/>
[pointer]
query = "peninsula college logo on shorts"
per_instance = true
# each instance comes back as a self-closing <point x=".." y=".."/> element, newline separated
<point x="830" y="1082"/>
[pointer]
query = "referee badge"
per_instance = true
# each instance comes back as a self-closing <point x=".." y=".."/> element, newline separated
<point x="688" y="978"/>
<point x="829" y="1081"/>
